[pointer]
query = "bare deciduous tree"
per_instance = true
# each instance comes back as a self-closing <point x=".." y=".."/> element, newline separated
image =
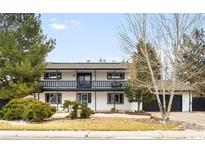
<point x="165" y="32"/>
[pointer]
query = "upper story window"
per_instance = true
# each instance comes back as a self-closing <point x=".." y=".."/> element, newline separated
<point x="52" y="75"/>
<point x="115" y="75"/>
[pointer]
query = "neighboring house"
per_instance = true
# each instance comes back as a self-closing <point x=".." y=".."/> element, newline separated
<point x="99" y="86"/>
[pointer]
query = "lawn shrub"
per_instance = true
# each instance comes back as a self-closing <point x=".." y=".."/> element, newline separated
<point x="67" y="105"/>
<point x="77" y="109"/>
<point x="85" y="112"/>
<point x="27" y="109"/>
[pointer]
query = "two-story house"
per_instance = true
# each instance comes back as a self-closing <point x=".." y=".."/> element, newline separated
<point x="97" y="85"/>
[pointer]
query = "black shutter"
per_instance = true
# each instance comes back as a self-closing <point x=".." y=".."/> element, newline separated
<point x="89" y="98"/>
<point x="108" y="98"/>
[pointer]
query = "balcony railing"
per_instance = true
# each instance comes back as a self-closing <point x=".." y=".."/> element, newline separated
<point x="72" y="85"/>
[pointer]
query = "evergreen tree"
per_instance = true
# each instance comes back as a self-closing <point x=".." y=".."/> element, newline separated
<point x="23" y="48"/>
<point x="192" y="60"/>
<point x="139" y="72"/>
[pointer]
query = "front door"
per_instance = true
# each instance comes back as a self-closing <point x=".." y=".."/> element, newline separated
<point x="84" y="80"/>
<point x="84" y="99"/>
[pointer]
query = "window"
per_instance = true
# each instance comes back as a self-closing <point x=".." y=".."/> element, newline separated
<point x="117" y="98"/>
<point x="54" y="98"/>
<point x="115" y="75"/>
<point x="88" y="97"/>
<point x="52" y="75"/>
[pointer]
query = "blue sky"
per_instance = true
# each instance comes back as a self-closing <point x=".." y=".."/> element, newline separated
<point x="81" y="37"/>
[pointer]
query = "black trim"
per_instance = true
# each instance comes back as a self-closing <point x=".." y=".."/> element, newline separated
<point x="86" y="69"/>
<point x="81" y="89"/>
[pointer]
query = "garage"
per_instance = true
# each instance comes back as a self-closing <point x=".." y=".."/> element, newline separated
<point x="198" y="103"/>
<point x="153" y="105"/>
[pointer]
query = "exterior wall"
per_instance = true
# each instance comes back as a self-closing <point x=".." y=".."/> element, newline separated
<point x="101" y="101"/>
<point x="185" y="102"/>
<point x="103" y="76"/>
<point x="100" y="75"/>
<point x="134" y="106"/>
<point x="69" y="76"/>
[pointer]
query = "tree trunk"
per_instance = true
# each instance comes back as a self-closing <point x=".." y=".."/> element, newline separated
<point x="138" y="106"/>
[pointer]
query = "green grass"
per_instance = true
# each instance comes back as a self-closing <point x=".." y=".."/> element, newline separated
<point x="94" y="124"/>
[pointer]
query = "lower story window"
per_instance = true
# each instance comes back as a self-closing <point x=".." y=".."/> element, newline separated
<point x="86" y="97"/>
<point x="53" y="98"/>
<point x="117" y="98"/>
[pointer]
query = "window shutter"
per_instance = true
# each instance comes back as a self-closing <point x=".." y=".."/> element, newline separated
<point x="89" y="97"/>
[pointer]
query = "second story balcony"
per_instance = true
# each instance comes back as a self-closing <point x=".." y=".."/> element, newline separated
<point x="83" y="85"/>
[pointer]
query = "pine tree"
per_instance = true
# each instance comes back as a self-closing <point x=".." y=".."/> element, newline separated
<point x="139" y="72"/>
<point x="23" y="48"/>
<point x="192" y="60"/>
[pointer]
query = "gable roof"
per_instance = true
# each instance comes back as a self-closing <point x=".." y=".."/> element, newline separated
<point x="179" y="86"/>
<point x="88" y="65"/>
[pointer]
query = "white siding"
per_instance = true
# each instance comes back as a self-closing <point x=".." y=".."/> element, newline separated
<point x="68" y="76"/>
<point x="100" y="75"/>
<point x="134" y="106"/>
<point x="185" y="102"/>
<point x="103" y="106"/>
<point x="101" y="101"/>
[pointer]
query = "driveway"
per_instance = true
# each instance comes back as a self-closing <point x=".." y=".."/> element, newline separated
<point x="197" y="118"/>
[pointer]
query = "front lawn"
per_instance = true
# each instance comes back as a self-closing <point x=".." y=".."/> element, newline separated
<point x="94" y="124"/>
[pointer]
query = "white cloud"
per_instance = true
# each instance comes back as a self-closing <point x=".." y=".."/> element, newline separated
<point x="53" y="19"/>
<point x="74" y="22"/>
<point x="58" y="26"/>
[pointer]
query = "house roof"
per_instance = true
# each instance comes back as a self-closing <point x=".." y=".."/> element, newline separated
<point x="179" y="86"/>
<point x="88" y="65"/>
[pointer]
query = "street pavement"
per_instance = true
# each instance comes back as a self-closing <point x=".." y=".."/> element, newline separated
<point x="187" y="134"/>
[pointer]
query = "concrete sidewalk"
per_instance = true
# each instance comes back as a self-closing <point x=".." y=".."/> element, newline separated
<point x="188" y="134"/>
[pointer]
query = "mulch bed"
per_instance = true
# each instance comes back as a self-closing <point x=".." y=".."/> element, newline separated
<point x="138" y="113"/>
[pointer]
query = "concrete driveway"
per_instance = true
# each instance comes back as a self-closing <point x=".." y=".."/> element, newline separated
<point x="197" y="118"/>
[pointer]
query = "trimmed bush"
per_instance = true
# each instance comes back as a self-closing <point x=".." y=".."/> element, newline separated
<point x="85" y="112"/>
<point x="27" y="109"/>
<point x="77" y="109"/>
<point x="66" y="105"/>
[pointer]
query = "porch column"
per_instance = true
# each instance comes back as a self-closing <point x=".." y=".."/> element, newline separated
<point x="57" y="88"/>
<point x="76" y="84"/>
<point x="95" y="93"/>
<point x="190" y="102"/>
<point x="185" y="102"/>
